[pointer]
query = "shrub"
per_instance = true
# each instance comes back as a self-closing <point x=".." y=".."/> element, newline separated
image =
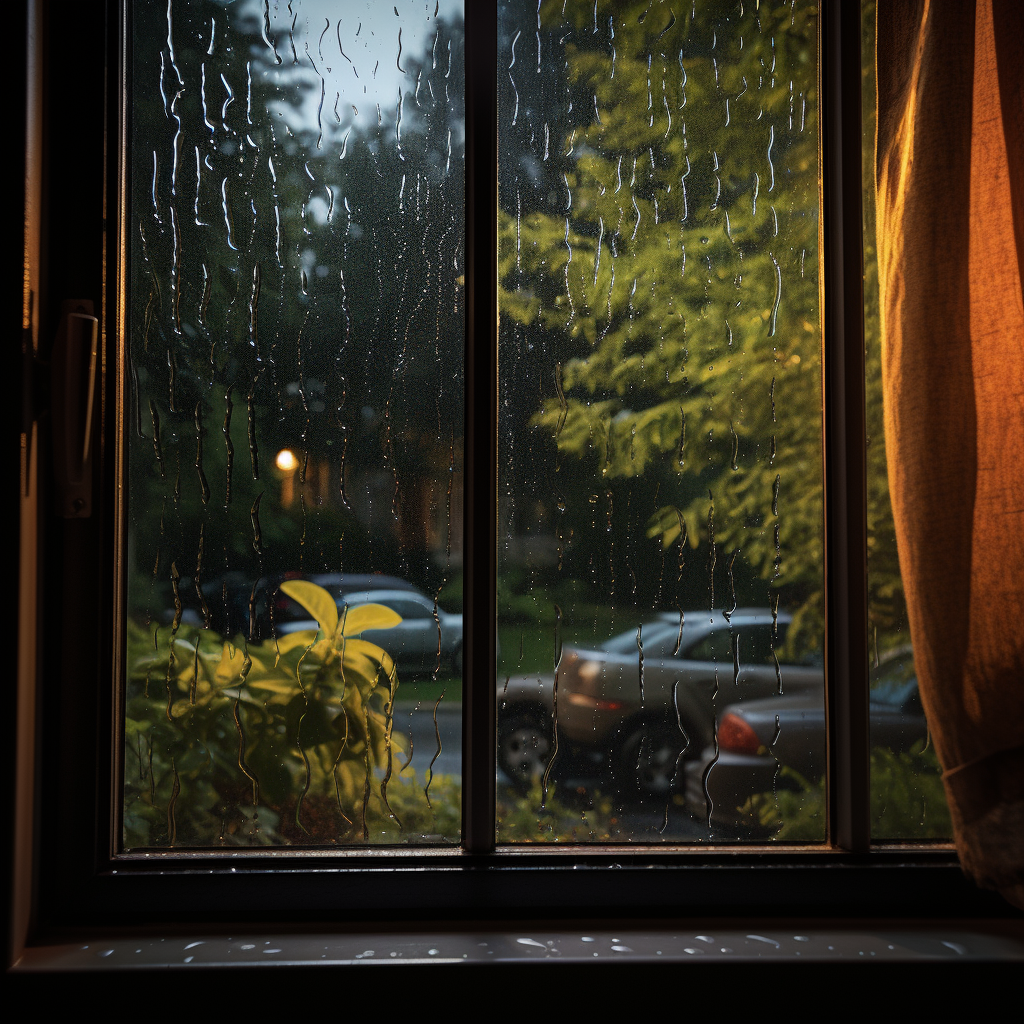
<point x="233" y="743"/>
<point x="907" y="800"/>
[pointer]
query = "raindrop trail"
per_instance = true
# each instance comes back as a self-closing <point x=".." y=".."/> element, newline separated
<point x="306" y="765"/>
<point x="773" y="603"/>
<point x="254" y="298"/>
<point x="515" y="112"/>
<point x="711" y="547"/>
<point x="320" y="44"/>
<point x="207" y="617"/>
<point x="253" y="450"/>
<point x="200" y="223"/>
<point x="228" y="100"/>
<point x="157" y="447"/>
<point x="732" y="586"/>
<point x="200" y="430"/>
<point x="266" y="31"/>
<point x="257" y="534"/>
<point x="778" y="296"/>
<point x="178" y="608"/>
<point x="437" y="752"/>
<point x="708" y="802"/>
<point x="229" y="448"/>
<point x="388" y="728"/>
<point x="562" y="403"/>
<point x="227" y="214"/>
<point x="679" y="636"/>
<point x="554" y="707"/>
<point x="682" y="751"/>
<point x="236" y="713"/>
<point x="172" y="826"/>
<point x="640" y="659"/>
<point x="341" y="49"/>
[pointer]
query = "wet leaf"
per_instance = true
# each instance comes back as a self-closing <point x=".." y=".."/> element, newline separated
<point x="320" y="605"/>
<point x="368" y="616"/>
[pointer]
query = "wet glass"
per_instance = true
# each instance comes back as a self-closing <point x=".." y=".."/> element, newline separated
<point x="294" y="445"/>
<point x="660" y="531"/>
<point x="907" y="797"/>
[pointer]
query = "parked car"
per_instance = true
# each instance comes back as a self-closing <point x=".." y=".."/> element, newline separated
<point x="637" y="706"/>
<point x="419" y="643"/>
<point x="756" y="739"/>
<point x="236" y="604"/>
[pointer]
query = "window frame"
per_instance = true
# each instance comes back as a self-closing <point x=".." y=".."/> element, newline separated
<point x="62" y="739"/>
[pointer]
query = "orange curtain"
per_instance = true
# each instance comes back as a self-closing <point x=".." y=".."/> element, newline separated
<point x="950" y="214"/>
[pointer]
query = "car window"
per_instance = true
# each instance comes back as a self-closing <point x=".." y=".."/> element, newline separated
<point x="894" y="682"/>
<point x="754" y="645"/>
<point x="409" y="610"/>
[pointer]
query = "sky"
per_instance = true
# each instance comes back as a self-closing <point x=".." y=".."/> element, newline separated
<point x="371" y="63"/>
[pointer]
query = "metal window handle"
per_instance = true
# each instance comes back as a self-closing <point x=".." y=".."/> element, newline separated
<point x="73" y="379"/>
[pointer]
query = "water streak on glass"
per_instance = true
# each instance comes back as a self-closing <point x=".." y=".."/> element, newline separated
<point x="294" y="511"/>
<point x="659" y="465"/>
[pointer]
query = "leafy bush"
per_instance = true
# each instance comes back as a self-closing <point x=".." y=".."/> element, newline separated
<point x="907" y="800"/>
<point x="535" y="818"/>
<point x="229" y="743"/>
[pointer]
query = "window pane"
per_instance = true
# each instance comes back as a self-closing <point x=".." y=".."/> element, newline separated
<point x="660" y="503"/>
<point x="907" y="798"/>
<point x="294" y="449"/>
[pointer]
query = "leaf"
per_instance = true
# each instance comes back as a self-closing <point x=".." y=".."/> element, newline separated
<point x="303" y="638"/>
<point x="366" y="665"/>
<point x="229" y="669"/>
<point x="283" y="686"/>
<point x="316" y="601"/>
<point x="369" y="616"/>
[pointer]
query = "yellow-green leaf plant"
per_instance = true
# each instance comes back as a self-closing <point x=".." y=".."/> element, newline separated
<point x="235" y="743"/>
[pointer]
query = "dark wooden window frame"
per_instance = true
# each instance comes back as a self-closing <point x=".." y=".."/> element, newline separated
<point x="62" y="874"/>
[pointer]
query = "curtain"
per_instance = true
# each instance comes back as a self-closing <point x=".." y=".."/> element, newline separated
<point x="950" y="216"/>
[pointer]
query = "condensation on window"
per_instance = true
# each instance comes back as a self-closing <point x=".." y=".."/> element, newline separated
<point x="294" y="450"/>
<point x="660" y="529"/>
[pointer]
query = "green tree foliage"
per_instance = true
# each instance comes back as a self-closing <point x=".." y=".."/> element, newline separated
<point x="677" y="267"/>
<point x="295" y="282"/>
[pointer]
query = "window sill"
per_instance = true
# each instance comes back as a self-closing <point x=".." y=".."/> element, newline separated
<point x="894" y="942"/>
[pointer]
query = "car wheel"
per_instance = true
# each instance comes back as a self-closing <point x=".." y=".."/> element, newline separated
<point x="457" y="661"/>
<point x="524" y="747"/>
<point x="647" y="763"/>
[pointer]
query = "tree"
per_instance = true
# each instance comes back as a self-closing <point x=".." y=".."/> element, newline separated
<point x="659" y="247"/>
<point x="295" y="284"/>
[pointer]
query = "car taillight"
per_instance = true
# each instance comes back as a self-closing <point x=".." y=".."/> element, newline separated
<point x="583" y="700"/>
<point x="737" y="736"/>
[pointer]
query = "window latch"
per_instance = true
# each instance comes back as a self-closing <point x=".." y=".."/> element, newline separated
<point x="73" y="399"/>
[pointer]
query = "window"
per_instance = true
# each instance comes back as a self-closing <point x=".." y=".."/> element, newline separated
<point x="80" y="882"/>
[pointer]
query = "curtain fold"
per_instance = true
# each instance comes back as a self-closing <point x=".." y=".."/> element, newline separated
<point x="950" y="223"/>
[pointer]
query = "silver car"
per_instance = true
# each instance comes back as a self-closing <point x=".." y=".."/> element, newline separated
<point x="427" y="639"/>
<point x="755" y="740"/>
<point x="643" y="702"/>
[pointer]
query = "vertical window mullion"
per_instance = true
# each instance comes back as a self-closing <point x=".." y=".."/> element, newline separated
<point x="478" y="772"/>
<point x="845" y="471"/>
